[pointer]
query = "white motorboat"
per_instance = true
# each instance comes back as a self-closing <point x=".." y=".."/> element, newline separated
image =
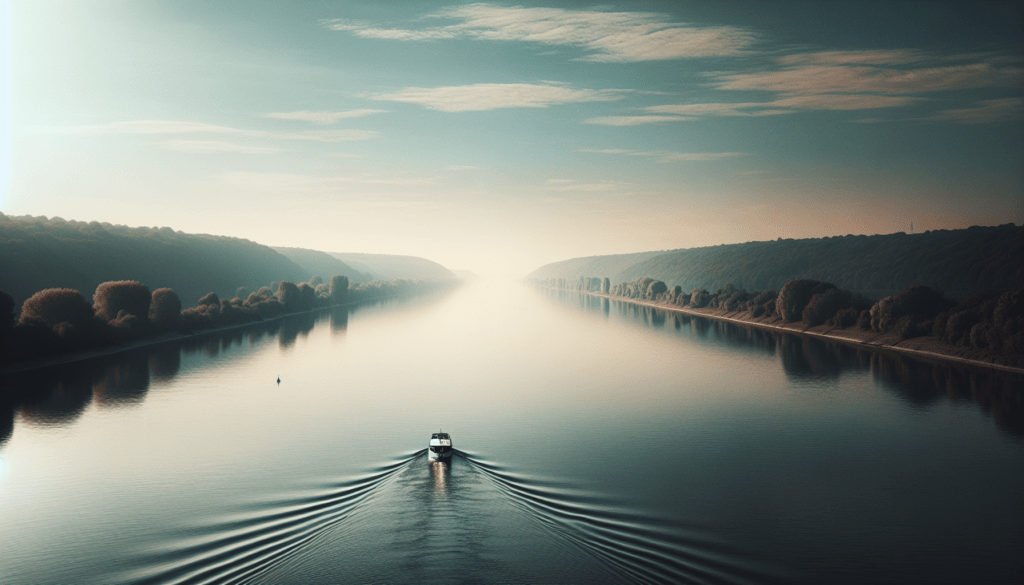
<point x="440" y="447"/>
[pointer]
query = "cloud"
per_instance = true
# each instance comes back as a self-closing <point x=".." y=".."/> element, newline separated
<point x="788" y="105"/>
<point x="999" y="110"/>
<point x="322" y="117"/>
<point x="870" y="57"/>
<point x="365" y="30"/>
<point x="634" y="120"/>
<point x="213" y="146"/>
<point x="666" y="156"/>
<point x="825" y="79"/>
<point x="610" y="37"/>
<point x="492" y="96"/>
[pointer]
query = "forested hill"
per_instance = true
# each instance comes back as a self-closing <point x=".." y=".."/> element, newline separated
<point x="38" y="253"/>
<point x="603" y="266"/>
<point x="321" y="263"/>
<point x="389" y="266"/>
<point x="956" y="261"/>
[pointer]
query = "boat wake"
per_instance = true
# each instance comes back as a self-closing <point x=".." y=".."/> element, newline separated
<point x="640" y="549"/>
<point x="236" y="548"/>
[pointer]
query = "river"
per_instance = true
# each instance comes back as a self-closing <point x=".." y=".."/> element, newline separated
<point x="596" y="441"/>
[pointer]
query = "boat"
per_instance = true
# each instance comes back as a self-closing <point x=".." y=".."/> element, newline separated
<point x="440" y="447"/>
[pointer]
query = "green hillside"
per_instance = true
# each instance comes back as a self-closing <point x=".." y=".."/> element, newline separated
<point x="322" y="264"/>
<point x="389" y="266"/>
<point x="38" y="253"/>
<point x="955" y="261"/>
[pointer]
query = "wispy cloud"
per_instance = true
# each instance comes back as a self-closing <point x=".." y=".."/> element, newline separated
<point x="788" y="105"/>
<point x="634" y="120"/>
<point x="989" y="111"/>
<point x="322" y="117"/>
<point x="824" y="79"/>
<point x="666" y="155"/>
<point x="609" y="37"/>
<point x="368" y="31"/>
<point x="492" y="96"/>
<point x="868" y="57"/>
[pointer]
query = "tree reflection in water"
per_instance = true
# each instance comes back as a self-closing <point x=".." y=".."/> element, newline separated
<point x="920" y="383"/>
<point x="58" y="395"/>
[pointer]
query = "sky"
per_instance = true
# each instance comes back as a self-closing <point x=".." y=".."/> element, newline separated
<point x="498" y="137"/>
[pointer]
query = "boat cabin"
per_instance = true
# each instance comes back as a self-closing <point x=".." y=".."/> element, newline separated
<point x="440" y="445"/>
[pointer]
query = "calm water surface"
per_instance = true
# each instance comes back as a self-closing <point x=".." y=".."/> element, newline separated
<point x="596" y="442"/>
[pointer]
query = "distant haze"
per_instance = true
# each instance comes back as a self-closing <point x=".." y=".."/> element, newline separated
<point x="498" y="138"/>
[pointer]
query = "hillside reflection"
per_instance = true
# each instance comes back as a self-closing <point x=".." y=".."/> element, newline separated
<point x="59" y="394"/>
<point x="920" y="384"/>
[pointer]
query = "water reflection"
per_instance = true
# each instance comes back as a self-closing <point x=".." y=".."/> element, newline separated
<point x="441" y="472"/>
<point x="124" y="384"/>
<point x="59" y="394"/>
<point x="919" y="383"/>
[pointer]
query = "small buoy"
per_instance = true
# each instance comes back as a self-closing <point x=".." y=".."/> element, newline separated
<point x="279" y="380"/>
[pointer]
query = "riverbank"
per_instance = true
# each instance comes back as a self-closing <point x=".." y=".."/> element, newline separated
<point x="77" y="356"/>
<point x="921" y="347"/>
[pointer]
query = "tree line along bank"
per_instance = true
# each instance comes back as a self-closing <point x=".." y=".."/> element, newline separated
<point x="59" y="320"/>
<point x="992" y="323"/>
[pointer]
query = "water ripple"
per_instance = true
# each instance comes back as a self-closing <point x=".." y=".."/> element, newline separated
<point x="639" y="548"/>
<point x="233" y="549"/>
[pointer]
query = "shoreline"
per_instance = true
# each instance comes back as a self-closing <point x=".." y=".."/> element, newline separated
<point x="926" y="347"/>
<point x="79" y="356"/>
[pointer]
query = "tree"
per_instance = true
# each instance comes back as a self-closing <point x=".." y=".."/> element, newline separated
<point x="655" y="288"/>
<point x="53" y="306"/>
<point x="338" y="289"/>
<point x="165" y="310"/>
<point x="795" y="295"/>
<point x="6" y="318"/>
<point x="699" y="298"/>
<point x="130" y="296"/>
<point x="209" y="299"/>
<point x="289" y="296"/>
<point x="918" y="302"/>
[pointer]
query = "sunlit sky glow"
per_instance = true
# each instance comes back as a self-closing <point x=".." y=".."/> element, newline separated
<point x="498" y="137"/>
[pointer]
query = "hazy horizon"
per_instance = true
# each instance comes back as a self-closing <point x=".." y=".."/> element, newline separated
<point x="518" y="134"/>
